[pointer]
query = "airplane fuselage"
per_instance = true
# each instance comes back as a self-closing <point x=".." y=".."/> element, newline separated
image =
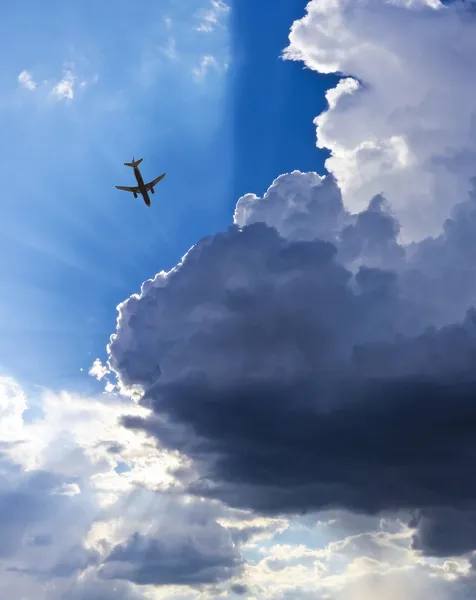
<point x="141" y="186"/>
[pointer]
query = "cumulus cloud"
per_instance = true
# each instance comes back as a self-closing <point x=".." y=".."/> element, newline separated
<point x="298" y="378"/>
<point x="76" y="514"/>
<point x="401" y="121"/>
<point x="189" y="548"/>
<point x="373" y="565"/>
<point x="301" y="206"/>
<point x="308" y="357"/>
<point x="26" y="80"/>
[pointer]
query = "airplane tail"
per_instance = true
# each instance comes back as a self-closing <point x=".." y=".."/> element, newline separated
<point x="134" y="163"/>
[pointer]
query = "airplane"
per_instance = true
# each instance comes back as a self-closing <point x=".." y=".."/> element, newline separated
<point x="141" y="188"/>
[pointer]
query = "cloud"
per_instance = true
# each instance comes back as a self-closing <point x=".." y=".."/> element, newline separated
<point x="445" y="531"/>
<point x="239" y="589"/>
<point x="98" y="370"/>
<point x="189" y="548"/>
<point x="13" y="404"/>
<point x="306" y="206"/>
<point x="300" y="206"/>
<point x="377" y="564"/>
<point x="65" y="88"/>
<point x="26" y="80"/>
<point x="304" y="359"/>
<point x="89" y="588"/>
<point x="298" y="378"/>
<point x="207" y="63"/>
<point x="47" y="494"/>
<point x="401" y="120"/>
<point x="70" y="516"/>
<point x="210" y="17"/>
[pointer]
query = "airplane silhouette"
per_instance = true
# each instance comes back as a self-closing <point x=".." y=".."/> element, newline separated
<point x="141" y="187"/>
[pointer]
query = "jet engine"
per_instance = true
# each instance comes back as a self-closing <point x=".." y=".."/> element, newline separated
<point x="152" y="190"/>
<point x="135" y="195"/>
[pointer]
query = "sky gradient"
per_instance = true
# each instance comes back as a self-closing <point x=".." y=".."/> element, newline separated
<point x="67" y="229"/>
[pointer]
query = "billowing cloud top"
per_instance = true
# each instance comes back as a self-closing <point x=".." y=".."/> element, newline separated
<point x="402" y="122"/>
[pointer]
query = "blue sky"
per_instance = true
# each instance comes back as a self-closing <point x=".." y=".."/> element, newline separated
<point x="73" y="246"/>
<point x="273" y="101"/>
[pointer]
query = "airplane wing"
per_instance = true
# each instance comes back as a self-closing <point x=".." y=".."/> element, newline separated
<point x="134" y="190"/>
<point x="149" y="186"/>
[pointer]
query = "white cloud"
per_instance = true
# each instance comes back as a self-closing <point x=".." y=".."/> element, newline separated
<point x="210" y="17"/>
<point x="66" y="506"/>
<point x="402" y="121"/>
<point x="207" y="63"/>
<point x="98" y="370"/>
<point x="65" y="88"/>
<point x="77" y="541"/>
<point x="375" y="565"/>
<point x="299" y="205"/>
<point x="183" y="42"/>
<point x="26" y="80"/>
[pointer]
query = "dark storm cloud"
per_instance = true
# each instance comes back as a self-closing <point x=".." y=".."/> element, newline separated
<point x="295" y="384"/>
<point x="277" y="450"/>
<point x="186" y="547"/>
<point x="445" y="531"/>
<point x="239" y="589"/>
<point x="145" y="560"/>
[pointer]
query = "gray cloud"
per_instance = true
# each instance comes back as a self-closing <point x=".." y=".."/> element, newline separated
<point x="239" y="589"/>
<point x="301" y="206"/>
<point x="299" y="378"/>
<point x="185" y="547"/>
<point x="150" y="561"/>
<point x="445" y="531"/>
<point x="96" y="589"/>
<point x="26" y="502"/>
